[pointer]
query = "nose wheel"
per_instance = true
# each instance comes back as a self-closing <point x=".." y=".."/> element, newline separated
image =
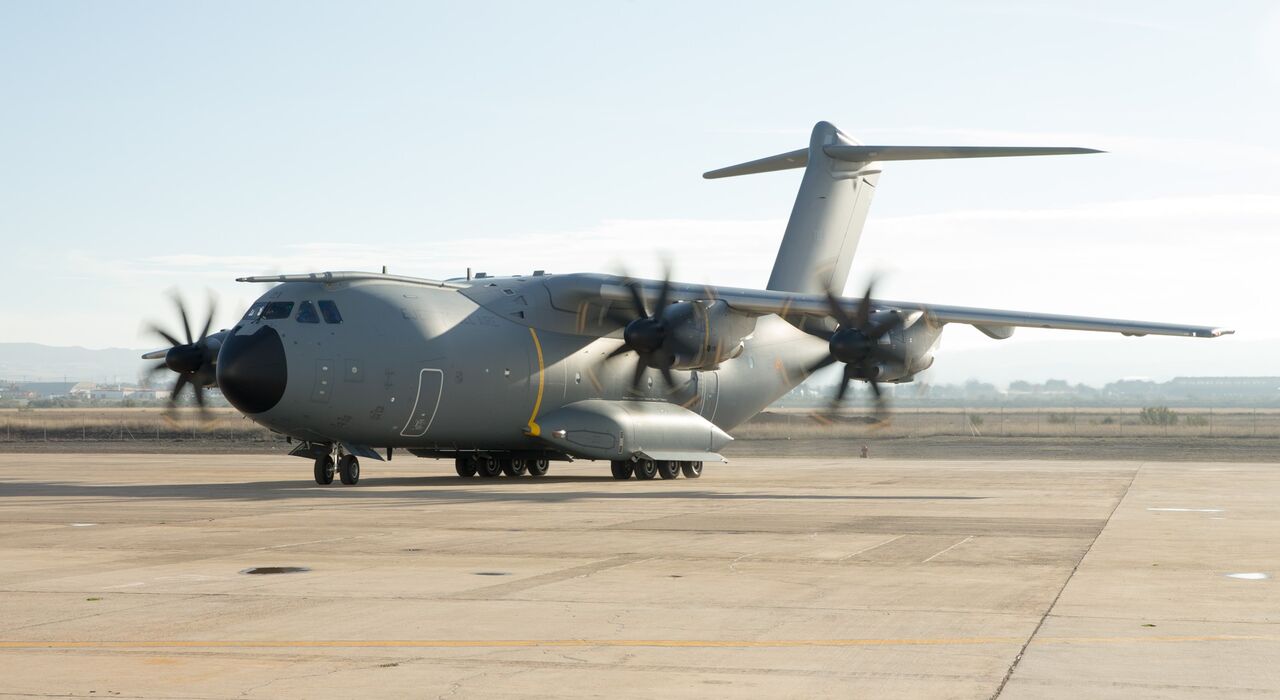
<point x="324" y="470"/>
<point x="349" y="470"/>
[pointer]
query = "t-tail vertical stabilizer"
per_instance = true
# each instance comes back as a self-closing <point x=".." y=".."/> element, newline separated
<point x="835" y="194"/>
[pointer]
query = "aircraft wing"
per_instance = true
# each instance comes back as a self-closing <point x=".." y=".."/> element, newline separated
<point x="996" y="323"/>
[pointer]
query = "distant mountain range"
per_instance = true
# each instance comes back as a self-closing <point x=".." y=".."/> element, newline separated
<point x="35" y="362"/>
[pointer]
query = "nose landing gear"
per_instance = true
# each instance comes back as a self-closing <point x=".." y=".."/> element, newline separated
<point x="347" y="469"/>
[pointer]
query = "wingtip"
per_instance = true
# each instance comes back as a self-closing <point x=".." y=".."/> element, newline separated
<point x="1215" y="332"/>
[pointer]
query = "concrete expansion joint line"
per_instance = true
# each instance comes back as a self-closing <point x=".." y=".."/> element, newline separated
<point x="1049" y="608"/>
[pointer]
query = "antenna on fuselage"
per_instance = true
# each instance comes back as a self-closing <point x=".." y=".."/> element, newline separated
<point x="468" y="274"/>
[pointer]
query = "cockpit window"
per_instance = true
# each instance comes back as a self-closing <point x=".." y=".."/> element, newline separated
<point x="307" y="313"/>
<point x="277" y="309"/>
<point x="329" y="310"/>
<point x="253" y="311"/>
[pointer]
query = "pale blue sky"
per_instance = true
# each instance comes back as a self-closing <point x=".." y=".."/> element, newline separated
<point x="153" y="145"/>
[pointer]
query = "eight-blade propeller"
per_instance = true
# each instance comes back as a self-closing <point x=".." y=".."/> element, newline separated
<point x="194" y="361"/>
<point x="645" y="335"/>
<point x="856" y="342"/>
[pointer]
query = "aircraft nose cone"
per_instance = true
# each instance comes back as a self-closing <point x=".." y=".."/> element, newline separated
<point x="251" y="370"/>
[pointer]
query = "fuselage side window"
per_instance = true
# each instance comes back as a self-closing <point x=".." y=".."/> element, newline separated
<point x="254" y="311"/>
<point x="307" y="313"/>
<point x="329" y="310"/>
<point x="277" y="309"/>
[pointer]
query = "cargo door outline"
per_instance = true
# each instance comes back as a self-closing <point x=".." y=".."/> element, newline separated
<point x="426" y="403"/>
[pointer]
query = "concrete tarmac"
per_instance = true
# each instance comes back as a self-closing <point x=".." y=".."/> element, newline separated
<point x="121" y="576"/>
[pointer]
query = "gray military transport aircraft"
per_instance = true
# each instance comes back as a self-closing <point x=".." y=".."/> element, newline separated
<point x="508" y="374"/>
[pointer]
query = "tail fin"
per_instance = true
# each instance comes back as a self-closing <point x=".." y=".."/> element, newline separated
<point x="835" y="194"/>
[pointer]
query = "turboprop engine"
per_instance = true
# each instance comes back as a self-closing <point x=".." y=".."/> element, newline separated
<point x="702" y="334"/>
<point x="911" y="342"/>
<point x="874" y="346"/>
<point x="685" y="335"/>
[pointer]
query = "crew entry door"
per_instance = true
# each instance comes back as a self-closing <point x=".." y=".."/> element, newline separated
<point x="426" y="403"/>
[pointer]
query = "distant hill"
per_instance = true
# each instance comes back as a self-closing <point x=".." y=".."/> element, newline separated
<point x="36" y="362"/>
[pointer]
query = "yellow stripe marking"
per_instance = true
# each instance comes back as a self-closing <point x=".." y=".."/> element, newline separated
<point x="683" y="643"/>
<point x="534" y="429"/>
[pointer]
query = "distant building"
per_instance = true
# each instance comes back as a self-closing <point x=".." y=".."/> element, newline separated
<point x="40" y="390"/>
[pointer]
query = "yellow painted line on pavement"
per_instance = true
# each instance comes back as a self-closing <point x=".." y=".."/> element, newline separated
<point x="676" y="643"/>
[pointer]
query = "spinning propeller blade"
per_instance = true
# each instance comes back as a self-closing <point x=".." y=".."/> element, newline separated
<point x="645" y="332"/>
<point x="193" y="361"/>
<point x="855" y="342"/>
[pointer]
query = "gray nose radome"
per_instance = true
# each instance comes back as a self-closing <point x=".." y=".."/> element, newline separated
<point x="252" y="372"/>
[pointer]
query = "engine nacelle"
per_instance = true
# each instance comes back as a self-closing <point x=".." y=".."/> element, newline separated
<point x="916" y="339"/>
<point x="702" y="334"/>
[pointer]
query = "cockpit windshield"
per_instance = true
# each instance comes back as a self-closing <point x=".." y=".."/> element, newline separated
<point x="330" y="311"/>
<point x="268" y="310"/>
<point x="307" y="313"/>
<point x="277" y="309"/>
<point x="254" y="311"/>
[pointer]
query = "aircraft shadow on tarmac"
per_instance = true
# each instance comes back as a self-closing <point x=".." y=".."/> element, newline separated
<point x="438" y="488"/>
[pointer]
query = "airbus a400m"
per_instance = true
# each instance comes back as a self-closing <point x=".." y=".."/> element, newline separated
<point x="506" y="375"/>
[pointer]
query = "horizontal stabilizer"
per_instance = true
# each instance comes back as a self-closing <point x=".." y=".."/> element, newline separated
<point x="869" y="154"/>
<point x="782" y="161"/>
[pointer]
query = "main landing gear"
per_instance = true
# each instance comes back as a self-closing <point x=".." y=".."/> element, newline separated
<point x="347" y="469"/>
<point x="646" y="469"/>
<point x="489" y="466"/>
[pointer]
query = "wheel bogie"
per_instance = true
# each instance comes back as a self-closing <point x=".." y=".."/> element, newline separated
<point x="465" y="467"/>
<point x="692" y="470"/>
<point x="668" y="469"/>
<point x="538" y="467"/>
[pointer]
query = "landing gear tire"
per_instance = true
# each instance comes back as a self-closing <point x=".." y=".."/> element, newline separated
<point x="621" y="470"/>
<point x="349" y="470"/>
<point x="692" y="470"/>
<point x="646" y="469"/>
<point x="538" y="467"/>
<point x="488" y="467"/>
<point x="668" y="469"/>
<point x="465" y="467"/>
<point x="324" y="470"/>
<point x="513" y="467"/>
